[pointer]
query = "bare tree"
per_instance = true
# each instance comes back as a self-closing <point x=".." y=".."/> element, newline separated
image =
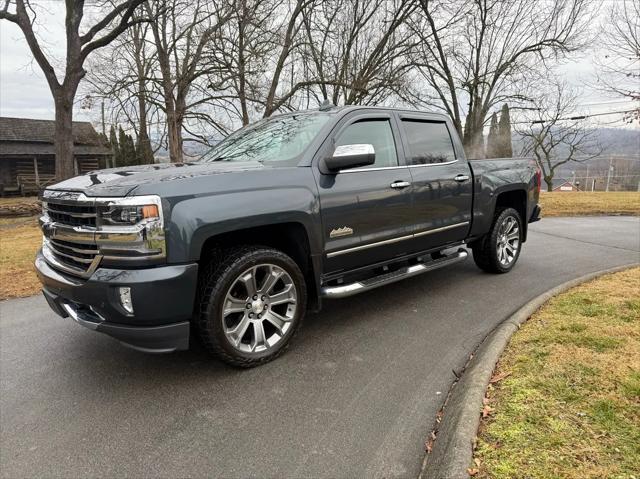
<point x="291" y="26"/>
<point x="358" y="50"/>
<point x="264" y="51"/>
<point x="476" y="54"/>
<point x="351" y="52"/>
<point x="122" y="76"/>
<point x="182" y="32"/>
<point x="552" y="138"/>
<point x="250" y="38"/>
<point x="619" y="64"/>
<point x="81" y="42"/>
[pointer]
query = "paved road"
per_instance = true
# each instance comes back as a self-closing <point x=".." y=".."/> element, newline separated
<point x="355" y="396"/>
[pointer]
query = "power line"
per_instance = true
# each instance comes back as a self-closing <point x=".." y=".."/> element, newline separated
<point x="578" y="117"/>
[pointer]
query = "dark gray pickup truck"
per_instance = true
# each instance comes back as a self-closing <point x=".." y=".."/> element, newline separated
<point x="235" y="247"/>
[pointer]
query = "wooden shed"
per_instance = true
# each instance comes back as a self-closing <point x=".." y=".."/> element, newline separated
<point x="27" y="153"/>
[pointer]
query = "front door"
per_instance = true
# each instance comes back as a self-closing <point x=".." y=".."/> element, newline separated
<point x="366" y="212"/>
<point x="442" y="182"/>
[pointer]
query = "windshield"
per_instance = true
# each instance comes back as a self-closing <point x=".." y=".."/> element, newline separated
<point x="276" y="139"/>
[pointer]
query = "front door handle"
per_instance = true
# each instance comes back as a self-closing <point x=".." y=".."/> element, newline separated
<point x="400" y="184"/>
<point x="461" y="178"/>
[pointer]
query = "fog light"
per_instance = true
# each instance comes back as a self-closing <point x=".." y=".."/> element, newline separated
<point x="125" y="299"/>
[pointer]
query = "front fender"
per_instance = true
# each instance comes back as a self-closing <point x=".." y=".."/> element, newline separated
<point x="195" y="220"/>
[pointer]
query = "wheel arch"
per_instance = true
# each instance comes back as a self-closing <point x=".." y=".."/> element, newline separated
<point x="291" y="238"/>
<point x="516" y="199"/>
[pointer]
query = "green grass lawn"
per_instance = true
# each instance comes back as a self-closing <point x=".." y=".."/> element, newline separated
<point x="568" y="403"/>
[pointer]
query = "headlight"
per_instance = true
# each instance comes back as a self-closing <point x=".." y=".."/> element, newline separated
<point x="128" y="215"/>
<point x="130" y="229"/>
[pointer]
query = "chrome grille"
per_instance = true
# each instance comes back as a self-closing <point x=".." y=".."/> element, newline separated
<point x="78" y="255"/>
<point x="73" y="215"/>
<point x="80" y="259"/>
<point x="63" y="248"/>
<point x="77" y="242"/>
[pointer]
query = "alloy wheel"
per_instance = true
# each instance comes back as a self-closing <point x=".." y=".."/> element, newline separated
<point x="508" y="242"/>
<point x="259" y="308"/>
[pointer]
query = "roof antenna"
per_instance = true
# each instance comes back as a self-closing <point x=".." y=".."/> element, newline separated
<point x="326" y="105"/>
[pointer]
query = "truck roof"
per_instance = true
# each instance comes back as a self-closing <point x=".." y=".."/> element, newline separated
<point x="349" y="108"/>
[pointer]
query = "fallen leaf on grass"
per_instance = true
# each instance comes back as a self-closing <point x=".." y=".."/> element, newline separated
<point x="499" y="377"/>
<point x="486" y="411"/>
<point x="473" y="471"/>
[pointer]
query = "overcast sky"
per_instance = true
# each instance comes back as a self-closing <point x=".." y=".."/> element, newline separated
<point x="24" y="91"/>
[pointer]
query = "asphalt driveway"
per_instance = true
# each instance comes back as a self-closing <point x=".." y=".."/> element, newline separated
<point x="355" y="396"/>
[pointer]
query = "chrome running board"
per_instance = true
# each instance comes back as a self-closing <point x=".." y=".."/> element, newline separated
<point x="344" y="290"/>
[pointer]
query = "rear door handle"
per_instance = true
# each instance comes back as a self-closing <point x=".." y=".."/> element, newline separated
<point x="400" y="184"/>
<point x="461" y="178"/>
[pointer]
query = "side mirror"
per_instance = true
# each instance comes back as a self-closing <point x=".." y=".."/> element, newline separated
<point x="350" y="156"/>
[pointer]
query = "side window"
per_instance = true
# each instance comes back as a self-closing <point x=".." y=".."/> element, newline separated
<point x="374" y="132"/>
<point x="429" y="142"/>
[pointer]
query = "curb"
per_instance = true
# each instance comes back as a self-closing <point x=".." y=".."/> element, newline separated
<point x="452" y="451"/>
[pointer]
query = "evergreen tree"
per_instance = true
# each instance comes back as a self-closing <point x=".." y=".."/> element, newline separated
<point x="132" y="156"/>
<point x="144" y="152"/>
<point x="127" y="148"/>
<point x="492" y="139"/>
<point x="122" y="147"/>
<point x="505" y="150"/>
<point x="115" y="149"/>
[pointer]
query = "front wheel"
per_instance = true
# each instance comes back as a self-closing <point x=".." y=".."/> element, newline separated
<point x="251" y="304"/>
<point x="499" y="249"/>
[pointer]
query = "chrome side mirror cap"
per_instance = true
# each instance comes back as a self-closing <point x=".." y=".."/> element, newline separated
<point x="350" y="156"/>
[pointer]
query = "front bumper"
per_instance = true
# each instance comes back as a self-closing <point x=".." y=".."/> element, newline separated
<point x="163" y="299"/>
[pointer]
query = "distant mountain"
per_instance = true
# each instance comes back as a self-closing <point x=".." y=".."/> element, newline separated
<point x="614" y="141"/>
<point x="618" y="141"/>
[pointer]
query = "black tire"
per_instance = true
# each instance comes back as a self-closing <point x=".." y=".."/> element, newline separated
<point x="219" y="276"/>
<point x="485" y="250"/>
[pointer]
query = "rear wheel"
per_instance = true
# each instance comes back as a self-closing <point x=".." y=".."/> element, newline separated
<point x="499" y="249"/>
<point x="251" y="305"/>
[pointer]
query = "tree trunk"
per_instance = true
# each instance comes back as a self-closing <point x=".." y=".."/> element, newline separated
<point x="174" y="127"/>
<point x="549" y="181"/>
<point x="242" y="94"/>
<point x="144" y="143"/>
<point x="473" y="143"/>
<point x="64" y="137"/>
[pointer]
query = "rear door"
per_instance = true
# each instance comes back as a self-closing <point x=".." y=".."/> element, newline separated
<point x="366" y="212"/>
<point x="442" y="184"/>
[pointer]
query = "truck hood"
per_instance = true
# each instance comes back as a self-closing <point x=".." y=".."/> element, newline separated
<point x="123" y="181"/>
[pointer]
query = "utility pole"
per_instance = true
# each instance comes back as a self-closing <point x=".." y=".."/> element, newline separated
<point x="104" y="128"/>
<point x="609" y="173"/>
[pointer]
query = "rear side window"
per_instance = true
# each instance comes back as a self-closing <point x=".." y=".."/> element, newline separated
<point x="429" y="142"/>
<point x="374" y="132"/>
